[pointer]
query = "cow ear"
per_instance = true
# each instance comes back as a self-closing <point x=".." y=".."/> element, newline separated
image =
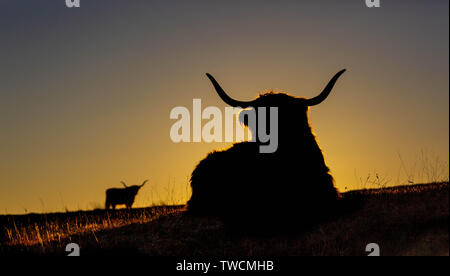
<point x="123" y="183"/>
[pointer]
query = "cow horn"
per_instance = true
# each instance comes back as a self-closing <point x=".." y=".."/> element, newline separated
<point x="143" y="183"/>
<point x="227" y="99"/>
<point x="326" y="91"/>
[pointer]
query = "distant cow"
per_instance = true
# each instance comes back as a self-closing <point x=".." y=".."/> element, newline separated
<point x="117" y="196"/>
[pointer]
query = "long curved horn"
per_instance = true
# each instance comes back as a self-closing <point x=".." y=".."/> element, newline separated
<point x="326" y="91"/>
<point x="144" y="183"/>
<point x="123" y="183"/>
<point x="227" y="99"/>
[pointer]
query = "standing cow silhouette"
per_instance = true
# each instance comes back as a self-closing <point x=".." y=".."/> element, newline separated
<point x="126" y="195"/>
<point x="288" y="188"/>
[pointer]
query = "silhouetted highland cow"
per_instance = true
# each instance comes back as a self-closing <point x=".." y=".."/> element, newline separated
<point x="290" y="187"/>
<point x="117" y="196"/>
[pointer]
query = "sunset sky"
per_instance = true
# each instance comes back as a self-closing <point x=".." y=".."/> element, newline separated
<point x="86" y="93"/>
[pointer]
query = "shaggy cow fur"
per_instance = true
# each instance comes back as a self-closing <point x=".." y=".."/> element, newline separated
<point x="290" y="187"/>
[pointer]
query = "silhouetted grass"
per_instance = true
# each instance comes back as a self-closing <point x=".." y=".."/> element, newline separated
<point x="46" y="229"/>
<point x="406" y="220"/>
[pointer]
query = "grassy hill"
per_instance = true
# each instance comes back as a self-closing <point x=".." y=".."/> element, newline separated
<point x="406" y="220"/>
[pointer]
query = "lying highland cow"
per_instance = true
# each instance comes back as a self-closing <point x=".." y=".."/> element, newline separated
<point x="290" y="187"/>
<point x="117" y="196"/>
